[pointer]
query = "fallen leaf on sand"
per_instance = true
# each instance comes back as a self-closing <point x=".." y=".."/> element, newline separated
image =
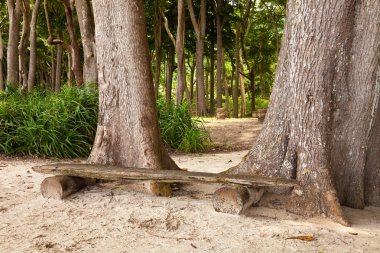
<point x="302" y="238"/>
<point x="353" y="233"/>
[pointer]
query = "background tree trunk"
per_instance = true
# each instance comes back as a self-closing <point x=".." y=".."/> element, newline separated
<point x="2" y="86"/>
<point x="157" y="45"/>
<point x="200" y="30"/>
<point x="169" y="75"/>
<point x="180" y="51"/>
<point x="320" y="120"/>
<point x="76" y="63"/>
<point x="235" y="89"/>
<point x="87" y="31"/>
<point x="212" y="73"/>
<point x="57" y="83"/>
<point x="33" y="46"/>
<point x="53" y="68"/>
<point x="14" y="12"/>
<point x="126" y="91"/>
<point x="219" y="43"/>
<point x="23" y="47"/>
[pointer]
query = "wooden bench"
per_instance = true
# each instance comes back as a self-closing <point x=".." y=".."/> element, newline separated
<point x="243" y="190"/>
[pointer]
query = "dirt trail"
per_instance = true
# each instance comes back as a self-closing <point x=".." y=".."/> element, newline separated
<point x="124" y="218"/>
<point x="233" y="134"/>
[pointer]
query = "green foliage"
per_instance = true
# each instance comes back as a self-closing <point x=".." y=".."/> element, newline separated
<point x="179" y="130"/>
<point x="48" y="124"/>
<point x="64" y="124"/>
<point x="261" y="103"/>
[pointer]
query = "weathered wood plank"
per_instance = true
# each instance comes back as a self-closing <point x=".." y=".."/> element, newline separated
<point x="107" y="172"/>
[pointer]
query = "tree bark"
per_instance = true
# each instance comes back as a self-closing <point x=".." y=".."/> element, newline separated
<point x="219" y="44"/>
<point x="180" y="51"/>
<point x="169" y="75"/>
<point x="53" y="68"/>
<point x="33" y="46"/>
<point x="87" y="31"/>
<point x="76" y="63"/>
<point x="212" y="73"/>
<point x="14" y="12"/>
<point x="157" y="45"/>
<point x="321" y="117"/>
<point x="126" y="92"/>
<point x="252" y="81"/>
<point x="192" y="71"/>
<point x="23" y="47"/>
<point x="226" y="92"/>
<point x="235" y="88"/>
<point x="200" y="30"/>
<point x="58" y="74"/>
<point x="2" y="86"/>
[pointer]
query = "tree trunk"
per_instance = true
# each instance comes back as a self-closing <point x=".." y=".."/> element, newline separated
<point x="76" y="63"/>
<point x="23" y="47"/>
<point x="180" y="51"/>
<point x="57" y="84"/>
<point x="212" y="74"/>
<point x="33" y="46"/>
<point x="207" y="74"/>
<point x="169" y="75"/>
<point x="157" y="45"/>
<point x="70" y="74"/>
<point x="87" y="31"/>
<point x="252" y="81"/>
<point x="14" y="12"/>
<point x="126" y="91"/>
<point x="226" y="93"/>
<point x="53" y="68"/>
<point x="324" y="107"/>
<point x="219" y="44"/>
<point x="242" y="87"/>
<point x="192" y="72"/>
<point x="2" y="86"/>
<point x="235" y="88"/>
<point x="200" y="30"/>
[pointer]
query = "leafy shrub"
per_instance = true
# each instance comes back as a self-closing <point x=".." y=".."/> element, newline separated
<point x="64" y="124"/>
<point x="179" y="130"/>
<point x="44" y="123"/>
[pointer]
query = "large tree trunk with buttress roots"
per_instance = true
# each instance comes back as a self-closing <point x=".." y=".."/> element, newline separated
<point x="128" y="133"/>
<point x="323" y="124"/>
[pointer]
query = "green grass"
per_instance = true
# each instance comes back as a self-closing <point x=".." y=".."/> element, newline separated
<point x="179" y="130"/>
<point x="63" y="125"/>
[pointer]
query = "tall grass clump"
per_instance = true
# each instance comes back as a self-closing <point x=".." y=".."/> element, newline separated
<point x="48" y="124"/>
<point x="64" y="124"/>
<point x="179" y="130"/>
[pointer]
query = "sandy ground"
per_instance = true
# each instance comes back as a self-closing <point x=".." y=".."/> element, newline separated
<point x="111" y="217"/>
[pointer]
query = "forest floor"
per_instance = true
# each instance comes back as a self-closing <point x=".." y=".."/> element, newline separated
<point x="112" y="217"/>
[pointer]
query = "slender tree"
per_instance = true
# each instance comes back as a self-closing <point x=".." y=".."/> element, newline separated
<point x="14" y="12"/>
<point x="23" y="47"/>
<point x="2" y="87"/>
<point x="180" y="51"/>
<point x="33" y="46"/>
<point x="219" y="49"/>
<point x="157" y="45"/>
<point x="75" y="51"/>
<point x="200" y="31"/>
<point x="87" y="31"/>
<point x="322" y="127"/>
